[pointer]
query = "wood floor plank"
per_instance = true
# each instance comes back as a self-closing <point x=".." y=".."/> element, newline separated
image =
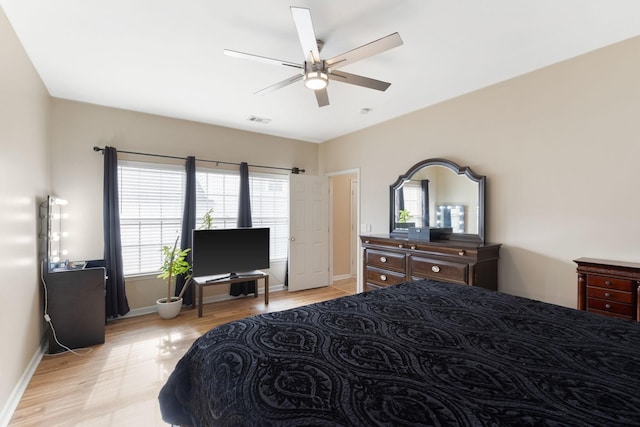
<point x="117" y="383"/>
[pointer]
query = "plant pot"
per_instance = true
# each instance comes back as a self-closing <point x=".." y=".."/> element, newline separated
<point x="171" y="309"/>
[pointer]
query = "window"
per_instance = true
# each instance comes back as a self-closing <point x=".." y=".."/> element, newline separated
<point x="151" y="204"/>
<point x="152" y="199"/>
<point x="413" y="202"/>
<point x="217" y="192"/>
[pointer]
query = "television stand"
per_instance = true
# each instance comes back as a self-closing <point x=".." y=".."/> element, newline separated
<point x="225" y="279"/>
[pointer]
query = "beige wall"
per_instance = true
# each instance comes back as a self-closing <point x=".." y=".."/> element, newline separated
<point x="560" y="149"/>
<point x="24" y="178"/>
<point x="78" y="171"/>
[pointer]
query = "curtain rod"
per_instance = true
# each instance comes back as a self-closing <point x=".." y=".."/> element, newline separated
<point x="293" y="170"/>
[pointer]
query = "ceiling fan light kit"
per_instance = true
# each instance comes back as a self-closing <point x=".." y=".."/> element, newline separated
<point x="316" y="72"/>
<point x="316" y="80"/>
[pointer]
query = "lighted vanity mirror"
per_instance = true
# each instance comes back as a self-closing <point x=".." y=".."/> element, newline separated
<point x="56" y="251"/>
<point x="439" y="194"/>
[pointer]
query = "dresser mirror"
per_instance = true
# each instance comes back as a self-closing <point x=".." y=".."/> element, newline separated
<point x="439" y="194"/>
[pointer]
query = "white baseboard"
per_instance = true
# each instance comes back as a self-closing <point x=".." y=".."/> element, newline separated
<point x="217" y="298"/>
<point x="7" y="410"/>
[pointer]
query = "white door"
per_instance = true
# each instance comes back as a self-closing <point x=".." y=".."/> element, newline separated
<point x="309" y="232"/>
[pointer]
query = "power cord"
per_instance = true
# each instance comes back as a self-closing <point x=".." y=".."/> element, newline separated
<point x="47" y="318"/>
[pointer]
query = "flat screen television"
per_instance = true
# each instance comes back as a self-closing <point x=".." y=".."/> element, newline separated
<point x="229" y="252"/>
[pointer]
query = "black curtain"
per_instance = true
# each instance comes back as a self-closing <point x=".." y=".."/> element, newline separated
<point x="188" y="224"/>
<point x="116" y="298"/>
<point x="425" y="202"/>
<point x="244" y="220"/>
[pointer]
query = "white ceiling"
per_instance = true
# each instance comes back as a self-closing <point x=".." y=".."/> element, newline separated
<point x="166" y="56"/>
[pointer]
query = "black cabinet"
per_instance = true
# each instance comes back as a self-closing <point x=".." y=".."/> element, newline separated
<point x="76" y="307"/>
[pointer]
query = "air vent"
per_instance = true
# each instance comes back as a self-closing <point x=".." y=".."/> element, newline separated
<point x="258" y="119"/>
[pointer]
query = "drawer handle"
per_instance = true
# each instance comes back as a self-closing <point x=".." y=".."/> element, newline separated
<point x="383" y="277"/>
<point x="383" y="259"/>
<point x="607" y="306"/>
<point x="435" y="269"/>
<point x="461" y="253"/>
<point x="607" y="294"/>
<point x="608" y="283"/>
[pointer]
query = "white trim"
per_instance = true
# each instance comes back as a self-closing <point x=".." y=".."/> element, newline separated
<point x="6" y="412"/>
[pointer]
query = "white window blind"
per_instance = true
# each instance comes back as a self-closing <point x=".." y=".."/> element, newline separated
<point x="152" y="199"/>
<point x="151" y="204"/>
<point x="413" y="201"/>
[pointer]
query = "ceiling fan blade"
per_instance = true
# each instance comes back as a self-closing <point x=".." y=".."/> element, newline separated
<point x="322" y="97"/>
<point x="279" y="85"/>
<point x="364" y="51"/>
<point x="263" y="59"/>
<point x="354" y="79"/>
<point x="304" y="25"/>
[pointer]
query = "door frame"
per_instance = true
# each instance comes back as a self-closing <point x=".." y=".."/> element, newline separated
<point x="355" y="226"/>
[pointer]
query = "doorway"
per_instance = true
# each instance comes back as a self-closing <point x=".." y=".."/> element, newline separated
<point x="344" y="213"/>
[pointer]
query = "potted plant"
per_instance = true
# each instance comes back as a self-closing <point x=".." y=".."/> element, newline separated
<point x="404" y="216"/>
<point x="174" y="264"/>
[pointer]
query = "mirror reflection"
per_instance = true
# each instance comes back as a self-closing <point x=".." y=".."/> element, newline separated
<point x="438" y="193"/>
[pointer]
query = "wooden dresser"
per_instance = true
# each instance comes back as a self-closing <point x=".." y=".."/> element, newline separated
<point x="611" y="288"/>
<point x="389" y="261"/>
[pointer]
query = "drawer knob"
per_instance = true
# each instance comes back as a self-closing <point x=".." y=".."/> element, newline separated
<point x="608" y="283"/>
<point x="607" y="306"/>
<point x="366" y="242"/>
<point x="413" y="246"/>
<point x="383" y="259"/>
<point x="401" y="246"/>
<point x="607" y="294"/>
<point x="435" y="269"/>
<point x="383" y="277"/>
<point x="461" y="253"/>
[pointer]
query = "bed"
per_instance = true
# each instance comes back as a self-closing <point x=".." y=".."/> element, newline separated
<point x="419" y="353"/>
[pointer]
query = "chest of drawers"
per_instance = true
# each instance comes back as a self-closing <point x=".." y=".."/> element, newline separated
<point x="389" y="261"/>
<point x="611" y="288"/>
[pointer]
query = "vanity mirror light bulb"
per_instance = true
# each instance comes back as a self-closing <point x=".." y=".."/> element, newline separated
<point x="56" y="259"/>
<point x="54" y="253"/>
<point x="65" y="252"/>
<point x="65" y="234"/>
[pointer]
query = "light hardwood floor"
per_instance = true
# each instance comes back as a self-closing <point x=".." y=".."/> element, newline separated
<point x="117" y="383"/>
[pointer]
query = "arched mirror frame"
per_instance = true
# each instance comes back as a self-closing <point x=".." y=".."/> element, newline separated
<point x="466" y="171"/>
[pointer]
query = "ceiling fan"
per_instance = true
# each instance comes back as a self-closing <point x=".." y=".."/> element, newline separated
<point x="316" y="72"/>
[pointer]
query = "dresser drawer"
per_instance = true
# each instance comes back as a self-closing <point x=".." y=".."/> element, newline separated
<point x="439" y="270"/>
<point x="614" y="308"/>
<point x="383" y="278"/>
<point x="609" y="294"/>
<point x="386" y="260"/>
<point x="610" y="283"/>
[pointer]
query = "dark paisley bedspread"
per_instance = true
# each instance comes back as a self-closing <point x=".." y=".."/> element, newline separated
<point x="421" y="353"/>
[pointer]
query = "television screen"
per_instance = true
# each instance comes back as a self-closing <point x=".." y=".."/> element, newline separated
<point x="229" y="251"/>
